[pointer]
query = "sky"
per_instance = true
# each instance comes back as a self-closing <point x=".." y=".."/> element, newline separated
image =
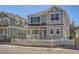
<point x="25" y="10"/>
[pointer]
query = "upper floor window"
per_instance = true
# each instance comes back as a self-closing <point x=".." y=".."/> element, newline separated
<point x="52" y="16"/>
<point x="55" y="16"/>
<point x="6" y="19"/>
<point x="35" y="19"/>
<point x="17" y="21"/>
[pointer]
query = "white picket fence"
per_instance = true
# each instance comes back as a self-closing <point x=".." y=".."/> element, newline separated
<point x="43" y="42"/>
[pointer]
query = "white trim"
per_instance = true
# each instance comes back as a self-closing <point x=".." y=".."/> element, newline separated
<point x="6" y="18"/>
<point x="53" y="31"/>
<point x="59" y="30"/>
<point x="17" y="27"/>
<point x="35" y="22"/>
<point x="54" y="13"/>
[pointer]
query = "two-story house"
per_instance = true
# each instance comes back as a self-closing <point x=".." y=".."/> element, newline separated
<point x="11" y="26"/>
<point x="49" y="24"/>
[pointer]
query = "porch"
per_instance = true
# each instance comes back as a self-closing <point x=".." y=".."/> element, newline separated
<point x="36" y="32"/>
<point x="4" y="34"/>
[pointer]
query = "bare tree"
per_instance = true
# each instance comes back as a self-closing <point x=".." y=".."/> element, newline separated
<point x="72" y="30"/>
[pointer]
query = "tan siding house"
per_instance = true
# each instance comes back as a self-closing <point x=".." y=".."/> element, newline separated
<point x="51" y="24"/>
<point x="11" y="26"/>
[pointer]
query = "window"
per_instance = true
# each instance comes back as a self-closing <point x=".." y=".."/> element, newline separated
<point x="34" y="31"/>
<point x="6" y="19"/>
<point x="52" y="16"/>
<point x="35" y="19"/>
<point x="17" y="21"/>
<point x="55" y="16"/>
<point x="51" y="31"/>
<point x="57" y="31"/>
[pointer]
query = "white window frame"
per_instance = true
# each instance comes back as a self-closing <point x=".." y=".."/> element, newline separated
<point x="6" y="18"/>
<point x="35" y="22"/>
<point x="50" y="29"/>
<point x="59" y="30"/>
<point x="17" y="21"/>
<point x="55" y="13"/>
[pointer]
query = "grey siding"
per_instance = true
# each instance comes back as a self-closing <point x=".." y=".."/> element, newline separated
<point x="66" y="26"/>
<point x="12" y="22"/>
<point x="63" y="22"/>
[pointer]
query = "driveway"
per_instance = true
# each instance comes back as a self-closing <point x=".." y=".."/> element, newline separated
<point x="14" y="49"/>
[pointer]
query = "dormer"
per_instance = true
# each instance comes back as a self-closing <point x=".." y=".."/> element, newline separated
<point x="4" y="19"/>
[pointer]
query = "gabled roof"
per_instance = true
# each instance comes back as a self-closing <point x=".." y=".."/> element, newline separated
<point x="12" y="15"/>
<point x="46" y="11"/>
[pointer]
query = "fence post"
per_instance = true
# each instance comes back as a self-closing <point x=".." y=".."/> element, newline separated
<point x="17" y="41"/>
<point x="51" y="43"/>
<point x="33" y="42"/>
<point x="12" y="41"/>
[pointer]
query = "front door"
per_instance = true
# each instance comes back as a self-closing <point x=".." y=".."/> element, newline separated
<point x="44" y="33"/>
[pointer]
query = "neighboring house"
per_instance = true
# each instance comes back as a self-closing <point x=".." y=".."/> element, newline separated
<point x="77" y="39"/>
<point x="77" y="33"/>
<point x="53" y="23"/>
<point x="11" y="26"/>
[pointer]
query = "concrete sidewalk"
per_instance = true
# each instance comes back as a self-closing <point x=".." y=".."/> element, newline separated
<point x="13" y="49"/>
